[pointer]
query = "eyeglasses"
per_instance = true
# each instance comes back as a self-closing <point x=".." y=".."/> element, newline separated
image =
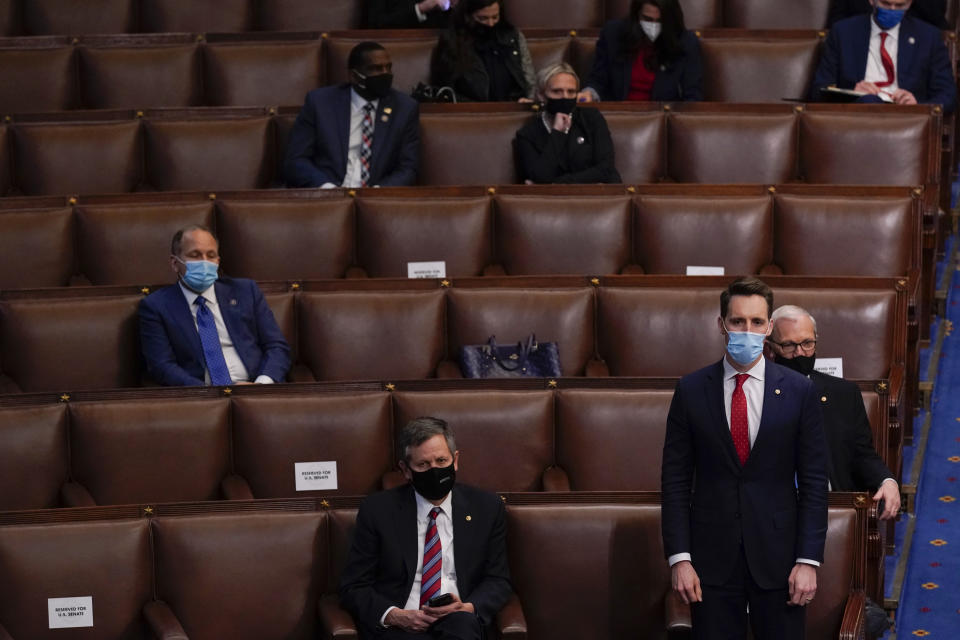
<point x="790" y="347"/>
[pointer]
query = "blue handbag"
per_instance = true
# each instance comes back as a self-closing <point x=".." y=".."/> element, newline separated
<point x="526" y="359"/>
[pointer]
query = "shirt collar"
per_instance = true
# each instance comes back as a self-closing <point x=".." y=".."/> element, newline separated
<point x="875" y="30"/>
<point x="424" y="506"/>
<point x="756" y="371"/>
<point x="209" y="294"/>
<point x="357" y="101"/>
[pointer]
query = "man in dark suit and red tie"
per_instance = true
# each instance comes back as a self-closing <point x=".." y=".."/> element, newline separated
<point x="362" y="134"/>
<point x="428" y="559"/>
<point x="744" y="483"/>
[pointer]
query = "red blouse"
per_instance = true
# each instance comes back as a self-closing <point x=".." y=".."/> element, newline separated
<point x="641" y="78"/>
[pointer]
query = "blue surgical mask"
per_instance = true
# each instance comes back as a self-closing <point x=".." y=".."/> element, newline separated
<point x="745" y="346"/>
<point x="888" y="18"/>
<point x="200" y="274"/>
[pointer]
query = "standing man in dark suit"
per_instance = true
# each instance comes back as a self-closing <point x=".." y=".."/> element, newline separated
<point x="206" y="329"/>
<point x="408" y="14"/>
<point x="744" y="483"/>
<point x="423" y="540"/>
<point x="891" y="56"/>
<point x="854" y="464"/>
<point x="363" y="134"/>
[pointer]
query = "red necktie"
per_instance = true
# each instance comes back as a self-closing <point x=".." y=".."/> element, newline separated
<point x="887" y="62"/>
<point x="432" y="560"/>
<point x="738" y="420"/>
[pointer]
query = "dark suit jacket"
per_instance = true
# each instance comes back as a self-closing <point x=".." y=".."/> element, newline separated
<point x="582" y="155"/>
<point x="923" y="66"/>
<point x="610" y="77"/>
<point x="383" y="558"/>
<point x="399" y="14"/>
<point x="854" y="464"/>
<point x="171" y="345"/>
<point x="931" y="11"/>
<point x="318" y="143"/>
<point x="711" y="503"/>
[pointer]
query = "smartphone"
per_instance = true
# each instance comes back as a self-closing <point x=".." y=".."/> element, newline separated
<point x="441" y="600"/>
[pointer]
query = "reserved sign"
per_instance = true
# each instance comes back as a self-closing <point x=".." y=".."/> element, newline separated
<point x="316" y="476"/>
<point x="66" y="613"/>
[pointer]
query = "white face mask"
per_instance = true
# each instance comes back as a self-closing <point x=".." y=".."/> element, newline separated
<point x="652" y="29"/>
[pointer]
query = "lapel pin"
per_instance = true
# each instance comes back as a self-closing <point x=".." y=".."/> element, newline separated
<point x="233" y="302"/>
<point x="823" y="398"/>
<point x="468" y="518"/>
<point x="776" y="391"/>
<point x="912" y="40"/>
<point x="387" y="110"/>
<point x="580" y="140"/>
<point x="384" y="117"/>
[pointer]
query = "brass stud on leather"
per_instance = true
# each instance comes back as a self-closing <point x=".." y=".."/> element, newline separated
<point x="771" y="189"/>
<point x="272" y="111"/>
<point x="595" y="282"/>
<point x="631" y="189"/>
<point x="65" y="397"/>
<point x="491" y="191"/>
<point x="144" y="290"/>
<point x="201" y="37"/>
<point x="881" y="386"/>
<point x="937" y="108"/>
<point x="324" y="35"/>
<point x="390" y="386"/>
<point x="7" y="119"/>
<point x="295" y="286"/>
<point x="325" y="504"/>
<point x="902" y="283"/>
<point x="918" y="192"/>
<point x="573" y="33"/>
<point x="75" y="41"/>
<point x="860" y="501"/>
<point x="148" y="511"/>
<point x="666" y="107"/>
<point x="139" y="114"/>
<point x="697" y="33"/>
<point x="503" y="497"/>
<point x="535" y="107"/>
<point x="445" y="284"/>
<point x="798" y="108"/>
<point x="821" y="34"/>
<point x="552" y="384"/>
<point x="352" y="193"/>
<point x="72" y="200"/>
<point x="227" y="391"/>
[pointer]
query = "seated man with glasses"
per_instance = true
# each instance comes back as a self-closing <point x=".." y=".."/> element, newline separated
<point x="854" y="464"/>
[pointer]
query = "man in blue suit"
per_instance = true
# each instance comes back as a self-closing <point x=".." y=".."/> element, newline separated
<point x="209" y="330"/>
<point x="363" y="134"/>
<point x="889" y="55"/>
<point x="744" y="483"/>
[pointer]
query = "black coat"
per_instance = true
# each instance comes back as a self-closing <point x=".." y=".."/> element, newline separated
<point x="583" y="155"/>
<point x="931" y="11"/>
<point x="472" y="82"/>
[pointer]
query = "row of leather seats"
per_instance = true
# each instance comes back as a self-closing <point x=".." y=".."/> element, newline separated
<point x="209" y="575"/>
<point x="705" y="143"/>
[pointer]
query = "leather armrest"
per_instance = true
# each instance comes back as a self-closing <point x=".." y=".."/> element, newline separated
<point x="494" y="270"/>
<point x="449" y="369"/>
<point x="852" y="626"/>
<point x="74" y="494"/>
<point x="510" y="620"/>
<point x="236" y="487"/>
<point x="676" y="613"/>
<point x="4" y="635"/>
<point x="7" y="385"/>
<point x="597" y="369"/>
<point x="555" y="479"/>
<point x="632" y="269"/>
<point x="771" y="270"/>
<point x="301" y="373"/>
<point x="392" y="480"/>
<point x="897" y="392"/>
<point x="355" y="272"/>
<point x="336" y="622"/>
<point x="163" y="621"/>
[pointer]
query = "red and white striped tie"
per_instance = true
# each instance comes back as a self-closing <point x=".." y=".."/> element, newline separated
<point x="432" y="560"/>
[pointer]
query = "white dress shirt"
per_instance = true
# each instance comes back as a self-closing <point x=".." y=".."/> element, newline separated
<point x="238" y="372"/>
<point x="874" y="71"/>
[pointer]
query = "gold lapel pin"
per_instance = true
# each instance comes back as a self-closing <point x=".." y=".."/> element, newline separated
<point x="387" y="110"/>
<point x="912" y="40"/>
<point x="233" y="302"/>
<point x="384" y="118"/>
<point x="823" y="398"/>
<point x="776" y="391"/>
<point x="469" y="518"/>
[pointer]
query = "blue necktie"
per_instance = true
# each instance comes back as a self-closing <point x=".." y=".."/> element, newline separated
<point x="210" y="341"/>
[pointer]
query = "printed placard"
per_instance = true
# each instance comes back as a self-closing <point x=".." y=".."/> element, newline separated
<point x="427" y="269"/>
<point x="66" y="613"/>
<point x="704" y="271"/>
<point x="316" y="476"/>
<point x="829" y="366"/>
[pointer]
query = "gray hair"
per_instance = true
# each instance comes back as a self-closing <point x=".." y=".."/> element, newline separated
<point x="792" y="312"/>
<point x="421" y="429"/>
<point x="545" y="75"/>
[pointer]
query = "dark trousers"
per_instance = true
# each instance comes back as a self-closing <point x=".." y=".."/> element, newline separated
<point x="461" y="625"/>
<point x="723" y="613"/>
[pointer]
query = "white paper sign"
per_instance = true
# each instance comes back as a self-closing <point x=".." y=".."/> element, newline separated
<point x="65" y="613"/>
<point x="427" y="269"/>
<point x="316" y="476"/>
<point x="704" y="271"/>
<point x="829" y="366"/>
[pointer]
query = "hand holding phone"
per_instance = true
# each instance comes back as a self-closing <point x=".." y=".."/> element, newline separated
<point x="441" y="600"/>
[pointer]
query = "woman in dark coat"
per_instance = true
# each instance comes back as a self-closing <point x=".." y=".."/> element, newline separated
<point x="648" y="55"/>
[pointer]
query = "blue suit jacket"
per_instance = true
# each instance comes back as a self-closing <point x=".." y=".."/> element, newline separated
<point x="171" y="345"/>
<point x="923" y="65"/>
<point x="712" y="504"/>
<point x="610" y="76"/>
<point x="318" y="143"/>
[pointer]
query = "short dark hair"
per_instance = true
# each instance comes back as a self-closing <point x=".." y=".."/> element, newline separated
<point x="421" y="429"/>
<point x="746" y="286"/>
<point x="177" y="243"/>
<point x="358" y="55"/>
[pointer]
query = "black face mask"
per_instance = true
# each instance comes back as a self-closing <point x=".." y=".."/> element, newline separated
<point x="800" y="364"/>
<point x="560" y="105"/>
<point x="434" y="483"/>
<point x="482" y="31"/>
<point x="372" y="87"/>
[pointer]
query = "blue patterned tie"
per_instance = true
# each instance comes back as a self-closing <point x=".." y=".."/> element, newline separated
<point x="210" y="341"/>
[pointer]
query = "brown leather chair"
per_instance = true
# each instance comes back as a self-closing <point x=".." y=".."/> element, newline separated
<point x="732" y="147"/>
<point x="538" y="235"/>
<point x="612" y="440"/>
<point x="638" y="144"/>
<point x="217" y="576"/>
<point x="371" y="335"/>
<point x="209" y="154"/>
<point x="271" y="434"/>
<point x="261" y="73"/>
<point x="564" y="316"/>
<point x="697" y="14"/>
<point x="548" y="49"/>
<point x="168" y="16"/>
<point x="64" y="344"/>
<point x="519" y="422"/>
<point x="751" y="68"/>
<point x="283" y="306"/>
<point x="139" y="451"/>
<point x="34" y="457"/>
<point x="468" y="148"/>
<point x="582" y="50"/>
<point x="286" y="240"/>
<point x="9" y="23"/>
<point x="561" y="14"/>
<point x="41" y="79"/>
<point x="392" y="232"/>
<point x="135" y="74"/>
<point x="67" y="17"/>
<point x="775" y="14"/>
<point x="36" y="248"/>
<point x="130" y="244"/>
<point x="4" y="161"/>
<point x="296" y="15"/>
<point x="107" y="561"/>
<point x="672" y="232"/>
<point x="410" y="54"/>
<point x="65" y="158"/>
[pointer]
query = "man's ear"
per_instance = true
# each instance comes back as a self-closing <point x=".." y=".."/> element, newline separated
<point x="174" y="265"/>
<point x="456" y="460"/>
<point x="405" y="470"/>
